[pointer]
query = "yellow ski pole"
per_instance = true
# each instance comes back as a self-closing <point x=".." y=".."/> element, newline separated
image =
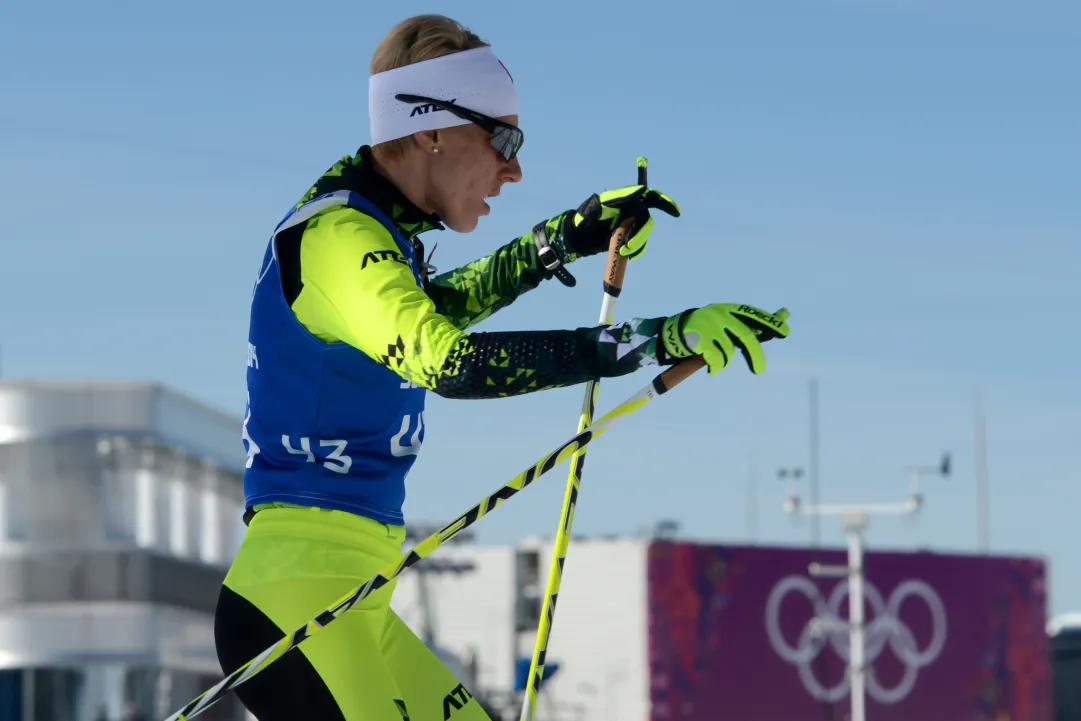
<point x="660" y="384"/>
<point x="613" y="284"/>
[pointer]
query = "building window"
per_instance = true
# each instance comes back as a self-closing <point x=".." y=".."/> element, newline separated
<point x="178" y="516"/>
<point x="210" y="551"/>
<point x="56" y="693"/>
<point x="3" y="510"/>
<point x="12" y="492"/>
<point x="118" y="488"/>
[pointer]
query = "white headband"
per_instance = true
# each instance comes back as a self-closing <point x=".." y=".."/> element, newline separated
<point x="474" y="79"/>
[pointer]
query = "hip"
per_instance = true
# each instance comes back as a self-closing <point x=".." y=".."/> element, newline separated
<point x="313" y="555"/>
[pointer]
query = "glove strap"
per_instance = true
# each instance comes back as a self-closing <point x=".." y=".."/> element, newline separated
<point x="672" y="339"/>
<point x="549" y="258"/>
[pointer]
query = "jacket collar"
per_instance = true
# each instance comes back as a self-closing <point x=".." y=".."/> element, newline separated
<point x="356" y="173"/>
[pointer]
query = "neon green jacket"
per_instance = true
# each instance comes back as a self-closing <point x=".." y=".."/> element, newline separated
<point x="346" y="281"/>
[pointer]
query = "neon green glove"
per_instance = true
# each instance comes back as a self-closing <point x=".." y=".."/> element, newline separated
<point x="715" y="331"/>
<point x="575" y="234"/>
<point x="600" y="215"/>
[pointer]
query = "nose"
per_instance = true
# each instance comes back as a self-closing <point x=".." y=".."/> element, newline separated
<point x="512" y="173"/>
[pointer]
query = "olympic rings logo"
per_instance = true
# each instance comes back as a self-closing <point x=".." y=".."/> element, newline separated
<point x="883" y="629"/>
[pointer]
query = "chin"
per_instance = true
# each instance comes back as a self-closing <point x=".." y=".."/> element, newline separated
<point x="463" y="223"/>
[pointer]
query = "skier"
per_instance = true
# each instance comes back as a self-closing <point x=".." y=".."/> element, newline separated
<point x="350" y="328"/>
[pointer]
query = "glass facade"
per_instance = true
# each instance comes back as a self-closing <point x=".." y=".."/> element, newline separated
<point x="113" y="490"/>
<point x="1066" y="650"/>
<point x="115" y="693"/>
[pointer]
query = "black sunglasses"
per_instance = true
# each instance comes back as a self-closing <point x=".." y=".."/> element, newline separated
<point x="507" y="139"/>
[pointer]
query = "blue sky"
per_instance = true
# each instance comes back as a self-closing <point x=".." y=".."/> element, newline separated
<point x="903" y="175"/>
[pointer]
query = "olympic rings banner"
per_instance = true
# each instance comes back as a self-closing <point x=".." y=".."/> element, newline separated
<point x="948" y="637"/>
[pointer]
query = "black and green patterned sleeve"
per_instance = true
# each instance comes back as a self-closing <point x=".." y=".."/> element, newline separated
<point x="515" y="362"/>
<point x="379" y="309"/>
<point x="473" y="292"/>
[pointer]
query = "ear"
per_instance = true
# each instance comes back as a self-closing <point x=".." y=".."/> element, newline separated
<point x="426" y="140"/>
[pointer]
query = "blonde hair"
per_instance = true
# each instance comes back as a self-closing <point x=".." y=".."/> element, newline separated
<point x="413" y="40"/>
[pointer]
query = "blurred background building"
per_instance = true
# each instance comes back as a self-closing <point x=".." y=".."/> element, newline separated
<point x="660" y="629"/>
<point x="120" y="508"/>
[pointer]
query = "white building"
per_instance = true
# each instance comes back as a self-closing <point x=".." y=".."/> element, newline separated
<point x="656" y="630"/>
<point x="120" y="508"/>
<point x="597" y="638"/>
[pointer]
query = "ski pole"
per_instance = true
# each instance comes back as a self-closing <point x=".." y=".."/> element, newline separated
<point x="660" y="384"/>
<point x="613" y="285"/>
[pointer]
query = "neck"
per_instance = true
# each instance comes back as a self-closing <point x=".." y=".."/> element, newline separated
<point x="408" y="178"/>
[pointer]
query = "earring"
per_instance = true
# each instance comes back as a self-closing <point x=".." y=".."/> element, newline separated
<point x="435" y="150"/>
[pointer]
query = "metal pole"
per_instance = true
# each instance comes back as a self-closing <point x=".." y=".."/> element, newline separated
<point x="816" y="521"/>
<point x="427" y="633"/>
<point x="855" y="519"/>
<point x="752" y="499"/>
<point x="855" y="524"/>
<point x="29" y="710"/>
<point x="979" y="437"/>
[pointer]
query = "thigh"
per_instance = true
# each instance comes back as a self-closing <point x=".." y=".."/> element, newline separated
<point x="290" y="567"/>
<point x="288" y="688"/>
<point x="337" y="674"/>
<point x="430" y="690"/>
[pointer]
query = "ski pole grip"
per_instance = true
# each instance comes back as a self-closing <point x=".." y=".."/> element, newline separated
<point x="617" y="264"/>
<point x="678" y="373"/>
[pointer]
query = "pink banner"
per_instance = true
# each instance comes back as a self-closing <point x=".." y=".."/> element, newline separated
<point x="948" y="637"/>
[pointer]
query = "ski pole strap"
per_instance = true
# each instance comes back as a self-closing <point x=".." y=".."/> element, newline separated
<point x="549" y="258"/>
